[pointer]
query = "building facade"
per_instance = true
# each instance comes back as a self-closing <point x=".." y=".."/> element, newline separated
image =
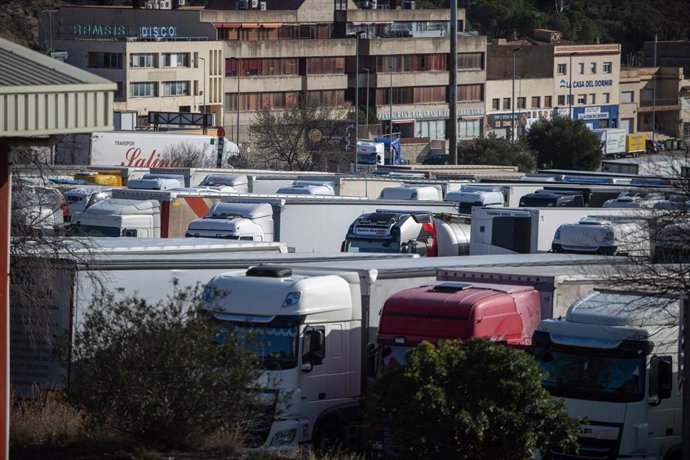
<point x="543" y="75"/>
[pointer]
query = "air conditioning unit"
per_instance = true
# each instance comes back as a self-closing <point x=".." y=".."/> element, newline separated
<point x="180" y="2"/>
<point x="243" y="4"/>
<point x="262" y="6"/>
<point x="165" y="4"/>
<point x="255" y="4"/>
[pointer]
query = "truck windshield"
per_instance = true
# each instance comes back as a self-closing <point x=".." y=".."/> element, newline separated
<point x="597" y="377"/>
<point x="388" y="246"/>
<point x="466" y="207"/>
<point x="392" y="357"/>
<point x="275" y="347"/>
<point x="97" y="230"/>
<point x="537" y="202"/>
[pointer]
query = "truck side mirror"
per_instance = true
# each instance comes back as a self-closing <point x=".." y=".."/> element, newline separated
<point x="314" y="348"/>
<point x="343" y="246"/>
<point x="660" y="378"/>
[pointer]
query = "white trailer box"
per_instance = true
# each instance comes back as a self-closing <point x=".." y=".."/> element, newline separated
<point x="153" y="149"/>
<point x="525" y="230"/>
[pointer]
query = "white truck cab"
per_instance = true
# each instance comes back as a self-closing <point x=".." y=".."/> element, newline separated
<point x="476" y="195"/>
<point x="235" y="221"/>
<point x="603" y="235"/>
<point x="307" y="188"/>
<point x="120" y="217"/>
<point x="412" y="192"/>
<point x="613" y="360"/>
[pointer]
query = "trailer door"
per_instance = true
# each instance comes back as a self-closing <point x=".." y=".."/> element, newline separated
<point x="512" y="233"/>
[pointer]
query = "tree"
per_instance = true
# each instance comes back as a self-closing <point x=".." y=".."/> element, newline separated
<point x="299" y="136"/>
<point x="154" y="374"/>
<point x="492" y="150"/>
<point x="563" y="143"/>
<point x="471" y="400"/>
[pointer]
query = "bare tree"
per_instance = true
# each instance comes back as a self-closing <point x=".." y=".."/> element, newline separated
<point x="300" y="137"/>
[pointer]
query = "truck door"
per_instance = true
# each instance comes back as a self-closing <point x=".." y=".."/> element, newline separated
<point x="512" y="233"/>
<point x="327" y="381"/>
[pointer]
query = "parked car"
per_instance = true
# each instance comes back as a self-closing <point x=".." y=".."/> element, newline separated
<point x="653" y="147"/>
<point x="436" y="159"/>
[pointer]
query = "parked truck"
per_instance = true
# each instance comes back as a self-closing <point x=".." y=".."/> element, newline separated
<point x="612" y="141"/>
<point x="414" y="232"/>
<point x="144" y="149"/>
<point x="145" y="213"/>
<point x="371" y="153"/>
<point x="318" y="325"/>
<point x="147" y="268"/>
<point x="524" y="230"/>
<point x="614" y="361"/>
<point x="305" y="223"/>
<point x="486" y="194"/>
<point x="635" y="144"/>
<point x="604" y="235"/>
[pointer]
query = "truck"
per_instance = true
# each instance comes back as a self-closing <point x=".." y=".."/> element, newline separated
<point x="613" y="141"/>
<point x="412" y="192"/>
<point x="604" y="235"/>
<point x="318" y="323"/>
<point x="302" y="187"/>
<point x="415" y="232"/>
<point x="614" y="361"/>
<point x="524" y="230"/>
<point x="306" y="223"/>
<point x="371" y="153"/>
<point x="147" y="268"/>
<point x="487" y="194"/>
<point x="144" y="149"/>
<point x="544" y="198"/>
<point x="145" y="213"/>
<point x="635" y="144"/>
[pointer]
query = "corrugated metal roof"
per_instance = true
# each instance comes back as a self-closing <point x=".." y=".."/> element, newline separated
<point x="15" y="70"/>
<point x="20" y="66"/>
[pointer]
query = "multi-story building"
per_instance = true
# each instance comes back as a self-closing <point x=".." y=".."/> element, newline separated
<point x="545" y="75"/>
<point x="234" y="57"/>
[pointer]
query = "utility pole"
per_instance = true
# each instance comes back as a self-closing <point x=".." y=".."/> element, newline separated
<point x="656" y="39"/>
<point x="684" y="359"/>
<point x="512" y="101"/>
<point x="453" y="85"/>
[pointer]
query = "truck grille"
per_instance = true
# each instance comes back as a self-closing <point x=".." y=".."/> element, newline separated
<point x="257" y="434"/>
<point x="590" y="449"/>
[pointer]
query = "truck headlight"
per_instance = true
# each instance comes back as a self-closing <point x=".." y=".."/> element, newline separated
<point x="284" y="437"/>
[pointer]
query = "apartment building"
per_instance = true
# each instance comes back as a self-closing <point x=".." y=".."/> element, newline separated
<point x="544" y="75"/>
<point x="235" y="56"/>
<point x="161" y="60"/>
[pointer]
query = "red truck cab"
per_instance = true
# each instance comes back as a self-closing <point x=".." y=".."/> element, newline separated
<point x="449" y="310"/>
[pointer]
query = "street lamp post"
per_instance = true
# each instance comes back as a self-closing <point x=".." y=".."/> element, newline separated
<point x="570" y="87"/>
<point x="366" y="120"/>
<point x="203" y="110"/>
<point x="390" y="114"/>
<point x="356" y="36"/>
<point x="512" y="102"/>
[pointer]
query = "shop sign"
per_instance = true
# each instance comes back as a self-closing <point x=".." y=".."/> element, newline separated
<point x="158" y="32"/>
<point x="99" y="30"/>
<point x="586" y="83"/>
<point x="430" y="114"/>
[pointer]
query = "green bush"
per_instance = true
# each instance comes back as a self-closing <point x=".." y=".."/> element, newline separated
<point x="472" y="400"/>
<point x="563" y="143"/>
<point x="154" y="374"/>
<point x="492" y="150"/>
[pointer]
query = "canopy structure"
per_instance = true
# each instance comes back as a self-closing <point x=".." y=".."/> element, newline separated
<point x="39" y="96"/>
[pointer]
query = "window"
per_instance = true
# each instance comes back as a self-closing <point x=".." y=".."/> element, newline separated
<point x="470" y="93"/>
<point x="536" y="102"/>
<point x="433" y="129"/>
<point x="254" y="101"/>
<point x="506" y="103"/>
<point x="326" y="98"/>
<point x="591" y="99"/>
<point x="176" y="59"/>
<point x="105" y="60"/>
<point x="647" y="94"/>
<point x="561" y="100"/>
<point x="142" y="60"/>
<point x="627" y="96"/>
<point x="521" y="101"/>
<point x="119" y="92"/>
<point x="593" y="67"/>
<point x="581" y="98"/>
<point x="607" y="67"/>
<point x="547" y="102"/>
<point x="496" y="104"/>
<point x="421" y="62"/>
<point x="581" y="68"/>
<point x="562" y="69"/>
<point x="606" y="98"/>
<point x="469" y="61"/>
<point x="143" y="89"/>
<point x="322" y="66"/>
<point x="570" y="99"/>
<point x="269" y="67"/>
<point x="176" y="88"/>
<point x="469" y="129"/>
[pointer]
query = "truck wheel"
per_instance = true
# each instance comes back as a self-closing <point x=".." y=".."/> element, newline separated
<point x="327" y="438"/>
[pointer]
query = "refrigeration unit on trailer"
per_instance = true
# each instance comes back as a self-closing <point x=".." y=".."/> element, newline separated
<point x="495" y="195"/>
<point x="235" y="221"/>
<point x="412" y="192"/>
<point x="604" y="235"/>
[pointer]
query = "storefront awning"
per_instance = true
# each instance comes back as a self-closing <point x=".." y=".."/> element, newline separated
<point x="395" y="122"/>
<point x="271" y="25"/>
<point x="250" y="25"/>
